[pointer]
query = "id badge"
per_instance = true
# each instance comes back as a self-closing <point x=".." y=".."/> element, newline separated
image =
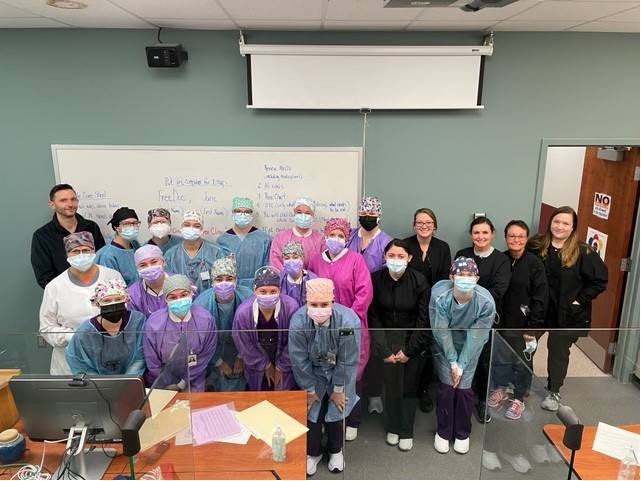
<point x="204" y="276"/>
<point x="192" y="359"/>
<point x="331" y="358"/>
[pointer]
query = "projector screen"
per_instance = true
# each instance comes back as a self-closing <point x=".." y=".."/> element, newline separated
<point x="299" y="81"/>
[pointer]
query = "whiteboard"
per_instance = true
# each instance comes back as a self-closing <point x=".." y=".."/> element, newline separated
<point x="207" y="178"/>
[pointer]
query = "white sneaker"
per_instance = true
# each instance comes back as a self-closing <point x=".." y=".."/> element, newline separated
<point x="553" y="454"/>
<point x="405" y="444"/>
<point x="392" y="439"/>
<point x="312" y="462"/>
<point x="552" y="402"/>
<point x="375" y="405"/>
<point x="336" y="462"/>
<point x="350" y="433"/>
<point x="441" y="445"/>
<point x="518" y="462"/>
<point x="491" y="461"/>
<point x="462" y="446"/>
<point x="540" y="454"/>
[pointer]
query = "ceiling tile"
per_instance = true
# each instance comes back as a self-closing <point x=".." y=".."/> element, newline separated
<point x="101" y="22"/>
<point x="279" y="24"/>
<point x="197" y="9"/>
<point x="275" y="9"/>
<point x="581" y="11"/>
<point x="364" y="25"/>
<point x="364" y="10"/>
<point x="194" y="23"/>
<point x="35" y="22"/>
<point x="607" y="27"/>
<point x="7" y="11"/>
<point x="534" y="25"/>
<point x="631" y="15"/>
<point x="452" y="25"/>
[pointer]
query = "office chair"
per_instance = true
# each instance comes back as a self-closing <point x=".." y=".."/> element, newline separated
<point x="573" y="432"/>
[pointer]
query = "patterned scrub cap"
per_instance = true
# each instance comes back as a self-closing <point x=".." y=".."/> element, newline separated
<point x="77" y="239"/>
<point x="464" y="264"/>
<point x="224" y="267"/>
<point x="371" y="204"/>
<point x="320" y="290"/>
<point x="267" y="276"/>
<point x="302" y="200"/>
<point x="158" y="212"/>
<point x="293" y="247"/>
<point x="193" y="215"/>
<point x="177" y="281"/>
<point x="148" y="251"/>
<point x="109" y="287"/>
<point x="242" y="202"/>
<point x="338" y="223"/>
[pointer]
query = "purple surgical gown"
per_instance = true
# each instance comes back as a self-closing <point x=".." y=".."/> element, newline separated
<point x="373" y="253"/>
<point x="143" y="300"/>
<point x="296" y="291"/>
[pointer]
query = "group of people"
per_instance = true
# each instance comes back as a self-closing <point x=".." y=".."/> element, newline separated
<point x="349" y="313"/>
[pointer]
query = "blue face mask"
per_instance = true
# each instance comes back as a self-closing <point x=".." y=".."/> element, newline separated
<point x="82" y="262"/>
<point x="464" y="284"/>
<point x="304" y="221"/>
<point x="190" y="233"/>
<point x="130" y="233"/>
<point x="180" y="307"/>
<point x="396" y="266"/>
<point x="242" y="220"/>
<point x="530" y="347"/>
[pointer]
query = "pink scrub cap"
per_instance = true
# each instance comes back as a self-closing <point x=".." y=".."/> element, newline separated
<point x="148" y="251"/>
<point x="320" y="290"/>
<point x="77" y="239"/>
<point x="338" y="223"/>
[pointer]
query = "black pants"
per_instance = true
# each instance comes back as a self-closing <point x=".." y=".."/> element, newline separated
<point x="334" y="432"/>
<point x="373" y="375"/>
<point x="401" y="390"/>
<point x="427" y="374"/>
<point x="354" y="418"/>
<point x="559" y="343"/>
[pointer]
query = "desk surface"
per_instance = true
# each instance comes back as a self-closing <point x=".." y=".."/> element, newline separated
<point x="588" y="464"/>
<point x="209" y="461"/>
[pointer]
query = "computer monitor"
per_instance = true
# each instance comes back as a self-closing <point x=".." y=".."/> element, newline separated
<point x="84" y="409"/>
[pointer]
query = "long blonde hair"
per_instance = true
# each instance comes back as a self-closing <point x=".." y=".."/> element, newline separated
<point x="571" y="249"/>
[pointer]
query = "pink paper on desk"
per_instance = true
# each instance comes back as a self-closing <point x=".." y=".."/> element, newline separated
<point x="210" y="424"/>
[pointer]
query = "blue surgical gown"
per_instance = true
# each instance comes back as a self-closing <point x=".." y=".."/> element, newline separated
<point x="116" y="257"/>
<point x="251" y="251"/>
<point x="223" y="315"/>
<point x="94" y="351"/>
<point x="314" y="370"/>
<point x="196" y="268"/>
<point x="174" y="240"/>
<point x="459" y="330"/>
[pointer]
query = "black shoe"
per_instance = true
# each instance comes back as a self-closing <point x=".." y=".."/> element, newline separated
<point x="482" y="414"/>
<point x="425" y="404"/>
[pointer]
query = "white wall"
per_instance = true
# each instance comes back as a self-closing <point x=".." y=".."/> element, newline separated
<point x="563" y="173"/>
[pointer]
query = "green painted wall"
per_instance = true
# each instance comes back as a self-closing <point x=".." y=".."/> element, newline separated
<point x="72" y="86"/>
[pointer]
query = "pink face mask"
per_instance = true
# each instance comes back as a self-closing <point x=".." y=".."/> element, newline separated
<point x="319" y="314"/>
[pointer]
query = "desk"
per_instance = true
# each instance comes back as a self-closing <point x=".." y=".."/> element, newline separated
<point x="215" y="460"/>
<point x="588" y="464"/>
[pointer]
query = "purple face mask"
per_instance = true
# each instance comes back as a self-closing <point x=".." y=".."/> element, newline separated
<point x="335" y="244"/>
<point x="224" y="290"/>
<point x="152" y="274"/>
<point x="267" y="300"/>
<point x="292" y="266"/>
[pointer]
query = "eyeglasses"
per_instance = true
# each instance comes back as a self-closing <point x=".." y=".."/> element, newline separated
<point x="513" y="236"/>
<point x="75" y="252"/>
<point x="424" y="224"/>
<point x="130" y="224"/>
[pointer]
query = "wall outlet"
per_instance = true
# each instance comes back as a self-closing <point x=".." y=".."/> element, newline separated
<point x="41" y="341"/>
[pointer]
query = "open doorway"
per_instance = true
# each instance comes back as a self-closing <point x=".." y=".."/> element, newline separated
<point x="603" y="187"/>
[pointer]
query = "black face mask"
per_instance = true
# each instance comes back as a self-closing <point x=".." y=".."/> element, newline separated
<point x="368" y="222"/>
<point x="113" y="312"/>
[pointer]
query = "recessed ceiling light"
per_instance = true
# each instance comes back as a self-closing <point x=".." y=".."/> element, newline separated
<point x="67" y="4"/>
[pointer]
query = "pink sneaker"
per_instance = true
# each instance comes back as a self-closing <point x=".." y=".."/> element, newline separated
<point x="496" y="397"/>
<point x="514" y="409"/>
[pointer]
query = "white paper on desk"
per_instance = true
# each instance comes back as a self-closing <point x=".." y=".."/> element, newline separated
<point x="240" y="438"/>
<point x="613" y="441"/>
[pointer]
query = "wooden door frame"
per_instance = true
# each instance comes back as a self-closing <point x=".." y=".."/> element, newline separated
<point x="631" y="297"/>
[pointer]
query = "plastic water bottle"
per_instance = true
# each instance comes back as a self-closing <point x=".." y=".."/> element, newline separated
<point x="278" y="444"/>
<point x="627" y="468"/>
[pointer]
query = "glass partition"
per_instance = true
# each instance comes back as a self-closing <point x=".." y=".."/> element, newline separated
<point x="186" y="434"/>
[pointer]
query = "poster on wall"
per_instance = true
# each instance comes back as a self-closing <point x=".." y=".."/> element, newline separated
<point x="598" y="241"/>
<point x="601" y="206"/>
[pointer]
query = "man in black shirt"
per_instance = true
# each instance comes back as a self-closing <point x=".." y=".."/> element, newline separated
<point x="48" y="256"/>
